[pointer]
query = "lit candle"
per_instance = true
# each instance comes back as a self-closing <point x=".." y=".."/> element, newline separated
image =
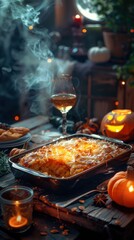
<point x="17" y="208"/>
<point x="17" y="221"/>
<point x="78" y="19"/>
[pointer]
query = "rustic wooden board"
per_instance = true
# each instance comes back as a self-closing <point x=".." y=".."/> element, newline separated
<point x="90" y="216"/>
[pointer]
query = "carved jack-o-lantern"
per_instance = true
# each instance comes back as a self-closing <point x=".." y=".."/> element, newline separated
<point x="118" y="123"/>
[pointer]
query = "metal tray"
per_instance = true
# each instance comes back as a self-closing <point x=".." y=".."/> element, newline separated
<point x="66" y="185"/>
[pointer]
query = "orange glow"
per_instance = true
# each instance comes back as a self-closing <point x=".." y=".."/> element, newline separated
<point x="114" y="128"/>
<point x="123" y="83"/>
<point x="17" y="221"/>
<point x="16" y="118"/>
<point x="131" y="188"/>
<point x="122" y="111"/>
<point x="116" y="103"/>
<point x="30" y="27"/>
<point x="84" y="30"/>
<point x="17" y="203"/>
<point x="120" y="118"/>
<point x="132" y="30"/>
<point x="109" y="117"/>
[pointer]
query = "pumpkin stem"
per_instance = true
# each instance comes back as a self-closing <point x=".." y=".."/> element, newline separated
<point x="130" y="173"/>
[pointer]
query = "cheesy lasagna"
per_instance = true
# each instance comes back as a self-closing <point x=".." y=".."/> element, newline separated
<point x="69" y="157"/>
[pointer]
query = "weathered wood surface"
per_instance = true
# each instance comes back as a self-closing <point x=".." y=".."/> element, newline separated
<point x="89" y="216"/>
<point x="111" y="217"/>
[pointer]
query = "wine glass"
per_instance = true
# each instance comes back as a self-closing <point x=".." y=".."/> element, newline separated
<point x="63" y="97"/>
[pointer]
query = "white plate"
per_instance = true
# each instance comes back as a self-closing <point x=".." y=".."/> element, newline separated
<point x="17" y="142"/>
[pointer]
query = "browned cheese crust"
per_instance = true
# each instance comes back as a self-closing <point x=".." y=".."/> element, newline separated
<point x="69" y="157"/>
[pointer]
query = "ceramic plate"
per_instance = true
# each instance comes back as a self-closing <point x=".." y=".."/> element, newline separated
<point x="16" y="142"/>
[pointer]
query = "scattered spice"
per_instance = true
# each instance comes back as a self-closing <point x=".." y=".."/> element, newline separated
<point x="61" y="226"/>
<point x="54" y="231"/>
<point x="117" y="222"/>
<point x="81" y="208"/>
<point x="74" y="209"/>
<point x="43" y="233"/>
<point x="100" y="200"/>
<point x="109" y="206"/>
<point x="82" y="201"/>
<point x="65" y="232"/>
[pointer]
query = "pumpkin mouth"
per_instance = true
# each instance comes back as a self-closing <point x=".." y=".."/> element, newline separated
<point x="116" y="128"/>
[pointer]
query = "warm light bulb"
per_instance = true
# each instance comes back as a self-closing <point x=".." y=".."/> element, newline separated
<point x="16" y="118"/>
<point x="84" y="30"/>
<point x="123" y="83"/>
<point x="30" y="27"/>
<point x="116" y="103"/>
<point x="49" y="60"/>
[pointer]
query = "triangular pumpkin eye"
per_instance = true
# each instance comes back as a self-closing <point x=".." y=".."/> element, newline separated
<point x="110" y="117"/>
<point x="120" y="118"/>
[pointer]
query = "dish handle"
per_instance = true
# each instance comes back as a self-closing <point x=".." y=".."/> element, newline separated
<point x="27" y="170"/>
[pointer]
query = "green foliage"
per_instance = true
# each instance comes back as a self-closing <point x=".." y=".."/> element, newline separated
<point x="4" y="165"/>
<point x="126" y="71"/>
<point x="117" y="15"/>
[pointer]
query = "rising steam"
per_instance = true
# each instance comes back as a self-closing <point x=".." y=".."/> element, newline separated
<point x="31" y="67"/>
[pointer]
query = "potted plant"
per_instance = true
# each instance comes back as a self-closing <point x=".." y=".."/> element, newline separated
<point x="126" y="72"/>
<point x="117" y="21"/>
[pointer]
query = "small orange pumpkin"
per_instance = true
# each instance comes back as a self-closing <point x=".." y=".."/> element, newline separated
<point x="121" y="188"/>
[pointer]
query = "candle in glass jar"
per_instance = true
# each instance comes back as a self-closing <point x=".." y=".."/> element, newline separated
<point x="17" y="207"/>
<point x="17" y="221"/>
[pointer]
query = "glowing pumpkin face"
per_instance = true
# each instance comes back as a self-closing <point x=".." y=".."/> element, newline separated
<point x="119" y="123"/>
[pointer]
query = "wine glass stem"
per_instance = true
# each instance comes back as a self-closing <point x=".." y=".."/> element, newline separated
<point x="64" y="123"/>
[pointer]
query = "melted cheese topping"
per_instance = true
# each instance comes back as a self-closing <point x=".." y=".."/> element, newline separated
<point x="69" y="157"/>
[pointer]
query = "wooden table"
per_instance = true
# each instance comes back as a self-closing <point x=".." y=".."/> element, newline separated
<point x="109" y="222"/>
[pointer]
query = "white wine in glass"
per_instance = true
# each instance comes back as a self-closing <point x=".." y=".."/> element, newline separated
<point x="63" y="97"/>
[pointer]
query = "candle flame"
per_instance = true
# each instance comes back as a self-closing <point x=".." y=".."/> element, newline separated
<point x="18" y="221"/>
<point x="77" y="16"/>
<point x="131" y="188"/>
<point x="18" y="218"/>
<point x="17" y="203"/>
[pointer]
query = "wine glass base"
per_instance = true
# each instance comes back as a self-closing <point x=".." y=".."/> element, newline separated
<point x="69" y="129"/>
